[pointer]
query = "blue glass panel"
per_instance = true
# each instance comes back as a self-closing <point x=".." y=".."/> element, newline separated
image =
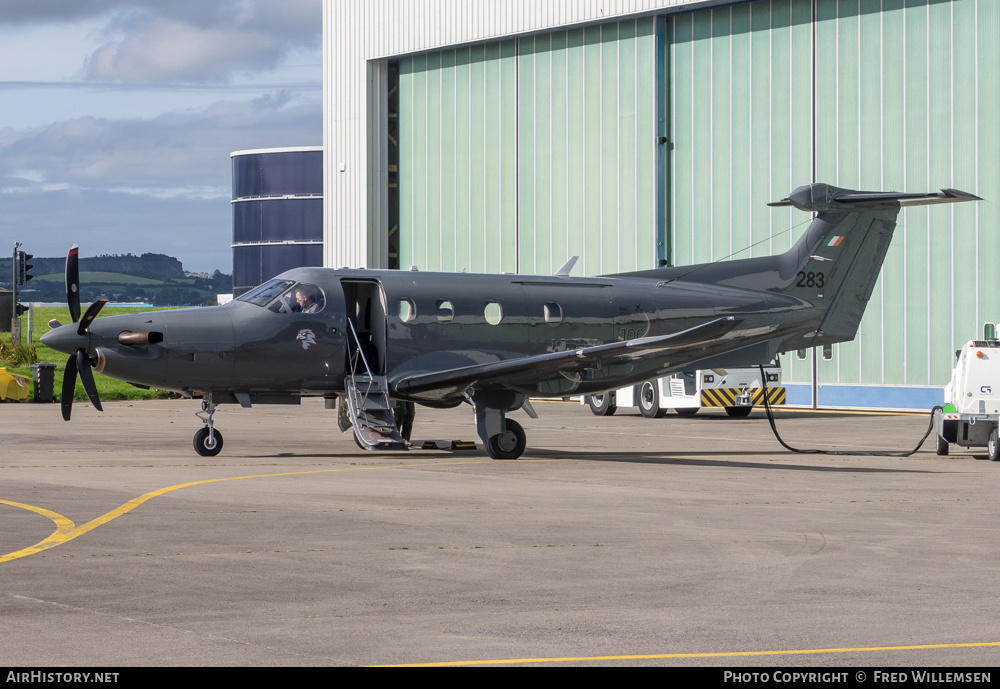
<point x="269" y="174"/>
<point x="246" y="267"/>
<point x="292" y="219"/>
<point x="278" y="220"/>
<point x="279" y="258"/>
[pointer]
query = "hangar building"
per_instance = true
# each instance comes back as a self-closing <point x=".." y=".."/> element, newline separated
<point x="507" y="135"/>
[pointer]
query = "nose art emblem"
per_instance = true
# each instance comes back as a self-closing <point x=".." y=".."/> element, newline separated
<point x="307" y="338"/>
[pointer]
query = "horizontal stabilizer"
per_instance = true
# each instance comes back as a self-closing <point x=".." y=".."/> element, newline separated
<point x="823" y="198"/>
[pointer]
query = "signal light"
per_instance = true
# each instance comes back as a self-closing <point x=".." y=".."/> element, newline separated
<point x="24" y="267"/>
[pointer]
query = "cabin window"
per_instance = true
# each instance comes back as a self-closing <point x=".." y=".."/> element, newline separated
<point x="307" y="298"/>
<point x="445" y="311"/>
<point x="493" y="312"/>
<point x="553" y="313"/>
<point x="827" y="352"/>
<point x="407" y="310"/>
<point x="800" y="354"/>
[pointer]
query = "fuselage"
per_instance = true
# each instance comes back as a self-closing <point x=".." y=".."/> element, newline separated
<point x="416" y="322"/>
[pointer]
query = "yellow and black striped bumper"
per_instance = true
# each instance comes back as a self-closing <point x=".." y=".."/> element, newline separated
<point x="727" y="397"/>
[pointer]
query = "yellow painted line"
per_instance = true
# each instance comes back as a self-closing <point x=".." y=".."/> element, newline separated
<point x="66" y="530"/>
<point x="728" y="654"/>
<point x="64" y="527"/>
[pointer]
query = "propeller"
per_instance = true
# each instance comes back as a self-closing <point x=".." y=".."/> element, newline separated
<point x="79" y="364"/>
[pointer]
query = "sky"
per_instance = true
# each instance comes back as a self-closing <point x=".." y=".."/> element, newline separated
<point x="117" y="118"/>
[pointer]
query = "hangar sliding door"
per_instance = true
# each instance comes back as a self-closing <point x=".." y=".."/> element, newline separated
<point x="907" y="98"/>
<point x="516" y="155"/>
<point x="587" y="148"/>
<point x="869" y="94"/>
<point x="457" y="159"/>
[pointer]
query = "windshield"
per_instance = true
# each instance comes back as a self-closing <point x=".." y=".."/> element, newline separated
<point x="265" y="293"/>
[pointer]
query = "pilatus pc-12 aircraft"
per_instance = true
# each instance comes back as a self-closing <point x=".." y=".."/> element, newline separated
<point x="493" y="341"/>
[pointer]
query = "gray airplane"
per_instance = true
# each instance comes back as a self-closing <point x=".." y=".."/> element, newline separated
<point x="440" y="339"/>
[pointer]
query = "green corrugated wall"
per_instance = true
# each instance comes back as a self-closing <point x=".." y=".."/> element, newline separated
<point x="545" y="145"/>
<point x="458" y="159"/>
<point x="518" y="154"/>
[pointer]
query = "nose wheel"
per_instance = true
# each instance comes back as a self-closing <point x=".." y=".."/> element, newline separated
<point x="207" y="441"/>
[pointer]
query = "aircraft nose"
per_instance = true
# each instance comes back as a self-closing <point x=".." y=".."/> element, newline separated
<point x="65" y="339"/>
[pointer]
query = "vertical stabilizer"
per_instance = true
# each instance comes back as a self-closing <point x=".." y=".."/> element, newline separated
<point x="840" y="256"/>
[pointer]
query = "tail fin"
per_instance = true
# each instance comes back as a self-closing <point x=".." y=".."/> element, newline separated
<point x="838" y="260"/>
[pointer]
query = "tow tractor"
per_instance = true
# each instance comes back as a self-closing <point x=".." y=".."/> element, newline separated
<point x="736" y="390"/>
<point x="971" y="411"/>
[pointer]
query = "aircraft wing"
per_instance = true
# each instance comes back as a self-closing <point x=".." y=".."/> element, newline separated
<point x="526" y="372"/>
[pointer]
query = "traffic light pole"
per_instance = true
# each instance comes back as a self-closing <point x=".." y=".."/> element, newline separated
<point x="15" y="322"/>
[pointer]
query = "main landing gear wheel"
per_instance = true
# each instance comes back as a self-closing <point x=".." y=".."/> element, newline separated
<point x="738" y="412"/>
<point x="509" y="444"/>
<point x="993" y="446"/>
<point x="205" y="446"/>
<point x="649" y="401"/>
<point x="942" y="447"/>
<point x="602" y="405"/>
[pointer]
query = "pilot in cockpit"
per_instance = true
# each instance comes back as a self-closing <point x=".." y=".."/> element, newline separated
<point x="307" y="300"/>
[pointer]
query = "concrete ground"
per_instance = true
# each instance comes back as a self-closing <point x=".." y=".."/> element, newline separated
<point x="690" y="541"/>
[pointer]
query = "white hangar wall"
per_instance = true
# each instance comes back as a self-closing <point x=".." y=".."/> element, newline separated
<point x="526" y="135"/>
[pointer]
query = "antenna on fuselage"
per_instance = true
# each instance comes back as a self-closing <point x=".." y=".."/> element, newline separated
<point x="566" y="267"/>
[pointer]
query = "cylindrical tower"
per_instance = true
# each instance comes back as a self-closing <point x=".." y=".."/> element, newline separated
<point x="277" y="212"/>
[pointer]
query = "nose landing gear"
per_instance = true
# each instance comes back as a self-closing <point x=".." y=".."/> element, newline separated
<point x="207" y="441"/>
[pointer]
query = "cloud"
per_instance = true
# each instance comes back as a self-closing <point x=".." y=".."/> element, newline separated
<point x="18" y="12"/>
<point x="194" y="42"/>
<point x="172" y="52"/>
<point x="181" y="41"/>
<point x="174" y="154"/>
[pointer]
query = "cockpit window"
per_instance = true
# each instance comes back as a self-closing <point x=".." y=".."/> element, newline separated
<point x="301" y="298"/>
<point x="265" y="293"/>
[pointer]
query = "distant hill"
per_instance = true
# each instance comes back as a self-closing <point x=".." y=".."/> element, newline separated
<point x="153" y="278"/>
<point x="155" y="266"/>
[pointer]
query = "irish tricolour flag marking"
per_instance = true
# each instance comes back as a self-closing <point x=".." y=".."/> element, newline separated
<point x="834" y="240"/>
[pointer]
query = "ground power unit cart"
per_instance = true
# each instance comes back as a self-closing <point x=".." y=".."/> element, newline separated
<point x="971" y="411"/>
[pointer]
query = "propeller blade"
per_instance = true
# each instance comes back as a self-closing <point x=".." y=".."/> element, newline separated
<point x="73" y="282"/>
<point x="91" y="314"/>
<point x="87" y="377"/>
<point x="68" y="388"/>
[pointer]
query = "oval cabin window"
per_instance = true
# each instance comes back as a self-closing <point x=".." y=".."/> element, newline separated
<point x="493" y="312"/>
<point x="407" y="310"/>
